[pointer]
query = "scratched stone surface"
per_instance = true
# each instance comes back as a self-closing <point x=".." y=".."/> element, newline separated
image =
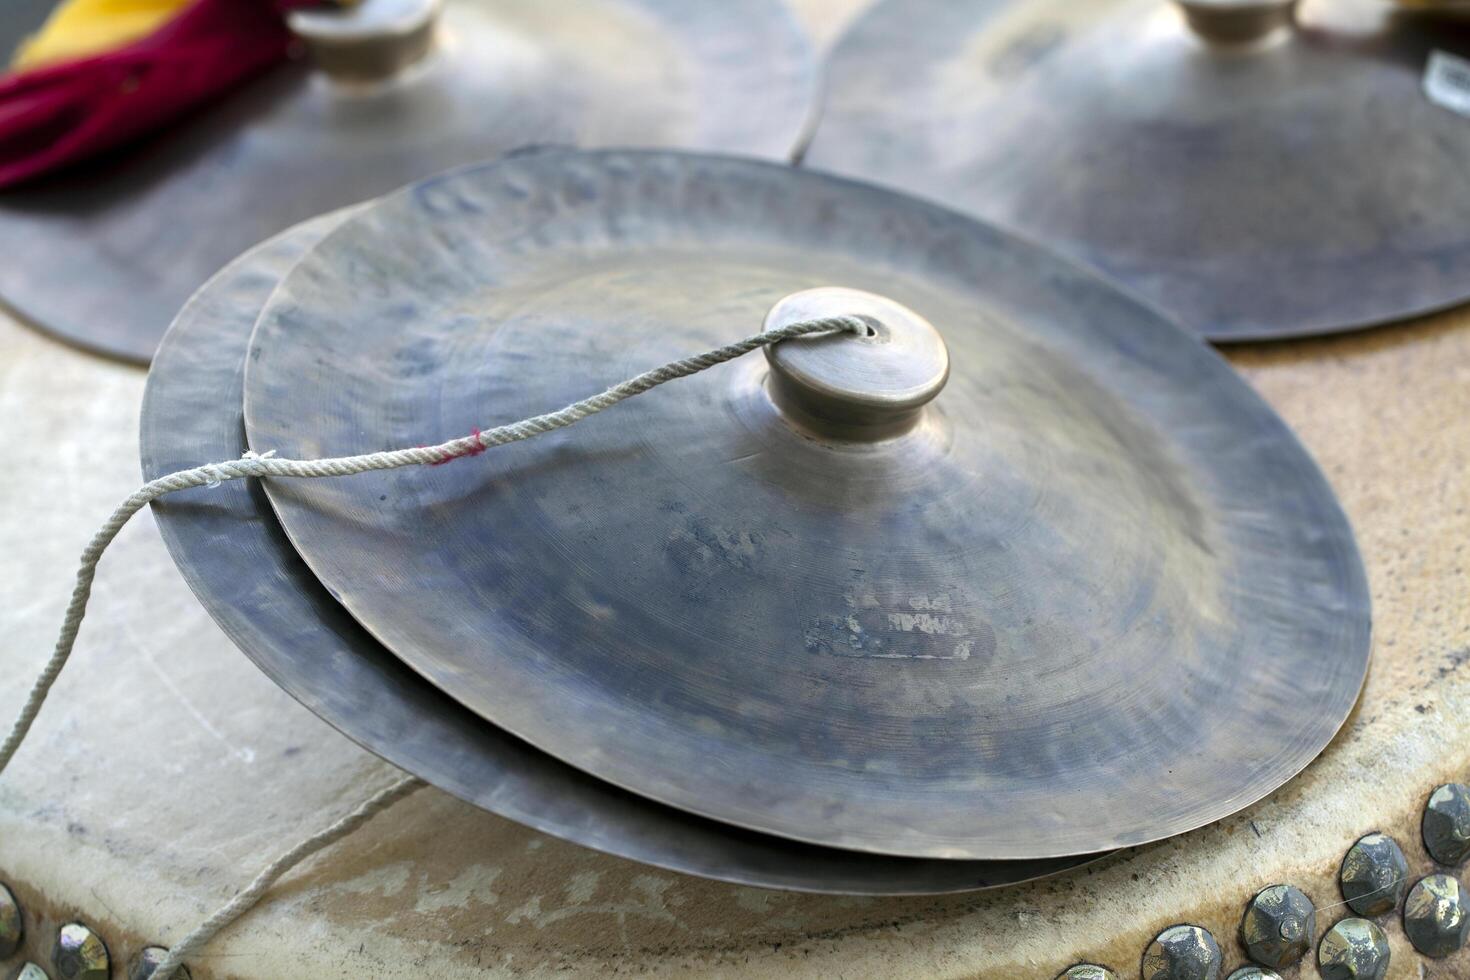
<point x="167" y="770"/>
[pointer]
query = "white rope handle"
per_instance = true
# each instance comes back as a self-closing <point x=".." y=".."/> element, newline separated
<point x="266" y="464"/>
<point x="247" y="898"/>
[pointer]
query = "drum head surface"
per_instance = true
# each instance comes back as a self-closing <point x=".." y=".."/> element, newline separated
<point x="1098" y="596"/>
<point x="1303" y="186"/>
<point x="232" y="552"/>
<point x="105" y="256"/>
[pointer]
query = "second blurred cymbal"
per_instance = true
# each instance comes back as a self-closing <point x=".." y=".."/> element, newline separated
<point x="1255" y="176"/>
<point x="106" y="255"/>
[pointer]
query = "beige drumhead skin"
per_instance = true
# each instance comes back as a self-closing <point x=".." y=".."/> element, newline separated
<point x="439" y="889"/>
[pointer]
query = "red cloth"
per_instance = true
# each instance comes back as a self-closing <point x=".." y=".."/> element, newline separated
<point x="59" y="114"/>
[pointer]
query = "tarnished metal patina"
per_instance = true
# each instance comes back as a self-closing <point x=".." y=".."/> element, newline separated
<point x="146" y="961"/>
<point x="1182" y="952"/>
<point x="1446" y="824"/>
<point x="1254" y="973"/>
<point x="264" y="596"/>
<point x="1435" y="918"/>
<point x="80" y="954"/>
<point x="105" y="257"/>
<point x="30" y="971"/>
<point x="1087" y="971"/>
<point x="1254" y="176"/>
<point x="840" y="622"/>
<point x="1374" y="875"/>
<point x="1279" y="926"/>
<point x="12" y="923"/>
<point x="1353" y="949"/>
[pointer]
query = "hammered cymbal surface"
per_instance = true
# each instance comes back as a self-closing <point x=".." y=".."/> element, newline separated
<point x="1300" y="186"/>
<point x="235" y="557"/>
<point x="1098" y="596"/>
<point x="105" y="255"/>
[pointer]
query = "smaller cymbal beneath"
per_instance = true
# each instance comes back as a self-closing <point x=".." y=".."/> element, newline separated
<point x="239" y="563"/>
<point x="394" y="90"/>
<point x="1256" y="168"/>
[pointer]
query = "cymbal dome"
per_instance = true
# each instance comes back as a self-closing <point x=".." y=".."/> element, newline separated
<point x="869" y="386"/>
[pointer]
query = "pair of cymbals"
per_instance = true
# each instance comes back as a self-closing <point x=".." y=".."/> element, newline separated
<point x="1256" y="168"/>
<point x="105" y="254"/>
<point x="1023" y="575"/>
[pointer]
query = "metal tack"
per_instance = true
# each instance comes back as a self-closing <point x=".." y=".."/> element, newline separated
<point x="1182" y="953"/>
<point x="1279" y="926"/>
<point x="1087" y="971"/>
<point x="12" y="926"/>
<point x="146" y="961"/>
<point x="1434" y="915"/>
<point x="80" y="954"/>
<point x="1446" y="824"/>
<point x="1354" y="949"/>
<point x="1374" y="875"/>
<point x="30" y="971"/>
<point x="1254" y="973"/>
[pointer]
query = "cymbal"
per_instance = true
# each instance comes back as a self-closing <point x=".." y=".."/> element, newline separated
<point x="1294" y="183"/>
<point x="236" y="559"/>
<point x="1092" y="593"/>
<point x="19" y="20"/>
<point x="105" y="256"/>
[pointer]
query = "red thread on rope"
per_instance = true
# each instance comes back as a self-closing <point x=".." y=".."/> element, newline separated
<point x="475" y="450"/>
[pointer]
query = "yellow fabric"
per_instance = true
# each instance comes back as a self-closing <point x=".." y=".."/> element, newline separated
<point x="77" y="28"/>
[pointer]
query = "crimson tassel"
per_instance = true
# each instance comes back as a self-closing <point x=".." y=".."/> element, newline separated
<point x="59" y="114"/>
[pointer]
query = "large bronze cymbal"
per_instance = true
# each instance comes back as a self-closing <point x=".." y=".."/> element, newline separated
<point x="1092" y="594"/>
<point x="233" y="554"/>
<point x="1254" y="177"/>
<point x="106" y="256"/>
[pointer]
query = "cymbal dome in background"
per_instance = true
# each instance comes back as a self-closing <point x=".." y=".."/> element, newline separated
<point x="237" y="560"/>
<point x="1099" y="576"/>
<point x="105" y="256"/>
<point x="1300" y="185"/>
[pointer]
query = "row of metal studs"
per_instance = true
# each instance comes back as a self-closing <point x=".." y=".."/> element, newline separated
<point x="78" y="954"/>
<point x="1277" y="929"/>
<point x="1279" y="924"/>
